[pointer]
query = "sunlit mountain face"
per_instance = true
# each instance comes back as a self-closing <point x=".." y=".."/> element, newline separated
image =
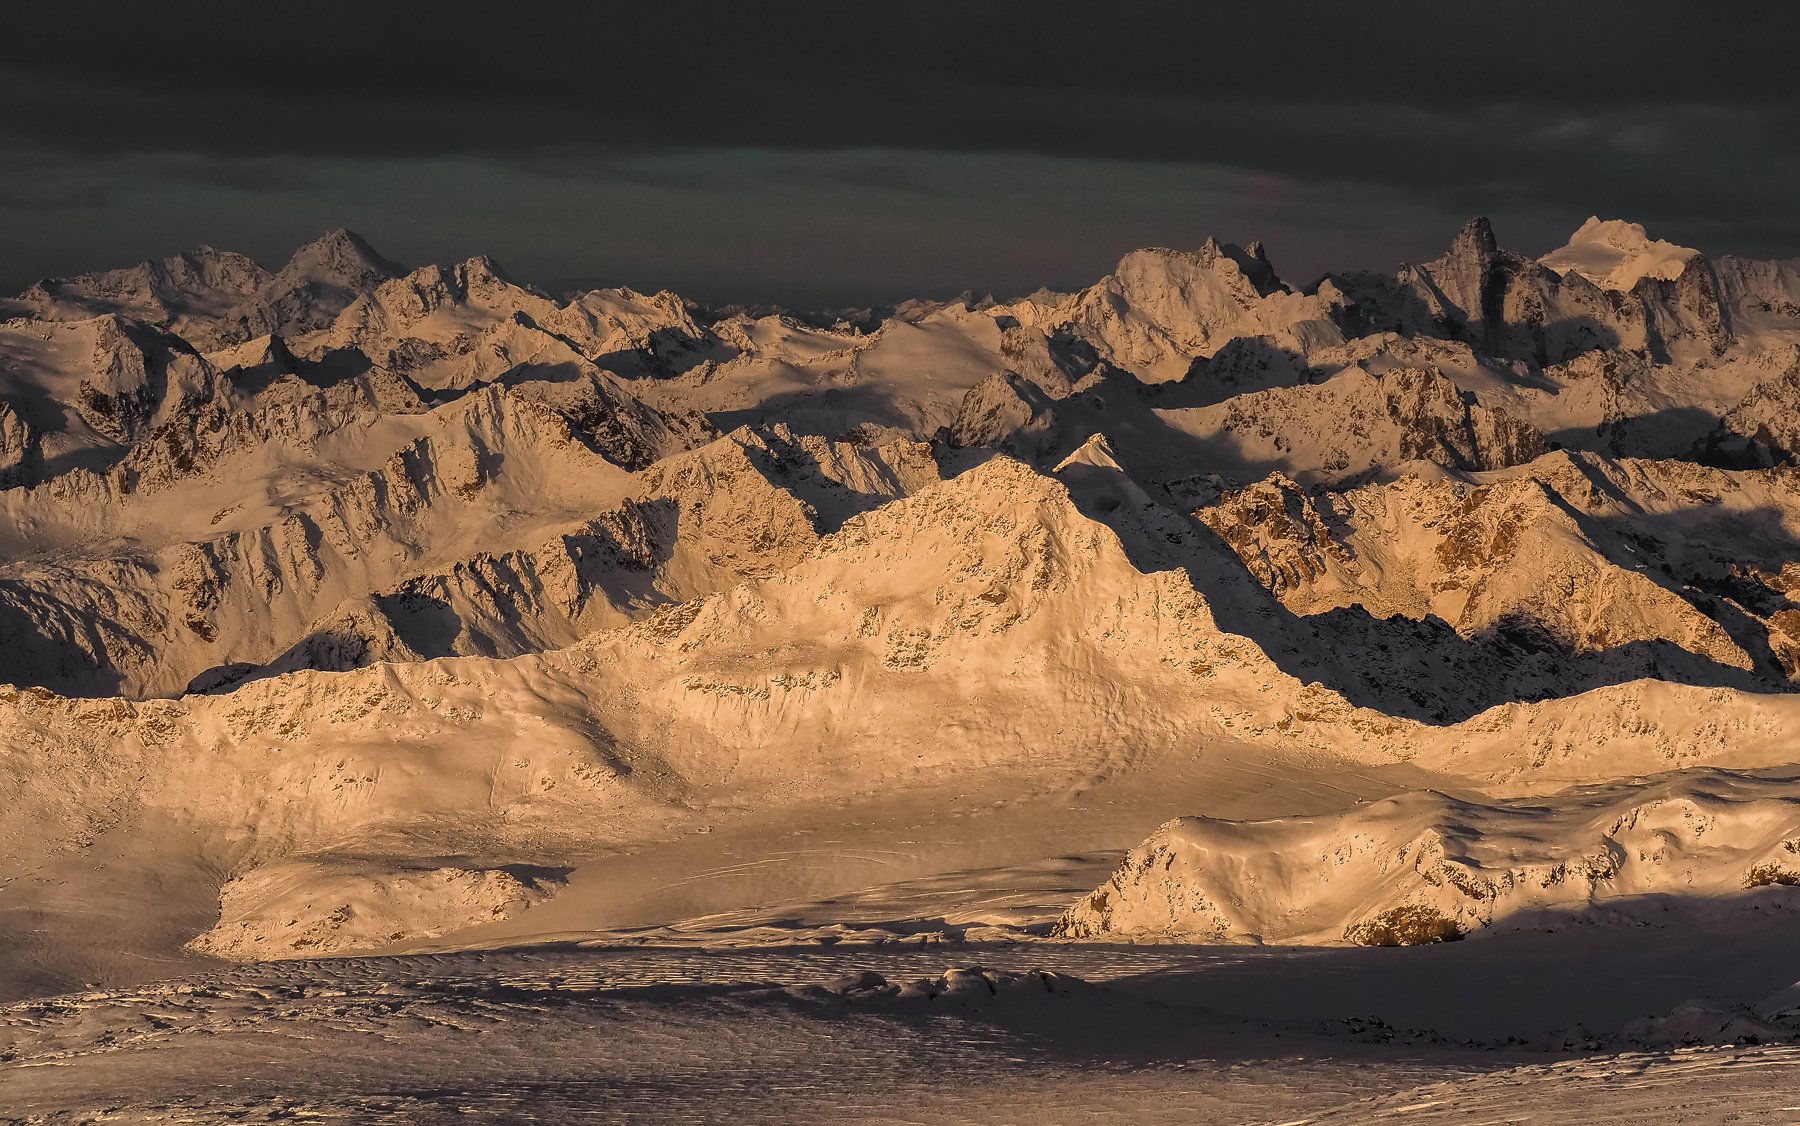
<point x="1268" y="649"/>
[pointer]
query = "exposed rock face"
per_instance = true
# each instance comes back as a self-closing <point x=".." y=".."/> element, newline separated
<point x="1279" y="533"/>
<point x="1507" y="306"/>
<point x="290" y="412"/>
<point x="214" y="298"/>
<point x="1565" y="557"/>
<point x="1761" y="297"/>
<point x="419" y="394"/>
<point x="305" y="295"/>
<point x="1686" y="315"/>
<point x="450" y="328"/>
<point x="1764" y="428"/>
<point x="18" y="447"/>
<point x="132" y="377"/>
<point x="1470" y="281"/>
<point x="747" y="505"/>
<point x="296" y="593"/>
<point x="1424" y="867"/>
<point x="1500" y="303"/>
<point x="1008" y="412"/>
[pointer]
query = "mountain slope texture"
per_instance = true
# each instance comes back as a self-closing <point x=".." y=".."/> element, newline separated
<point x="362" y="610"/>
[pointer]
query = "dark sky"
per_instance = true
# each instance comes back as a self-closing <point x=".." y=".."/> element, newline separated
<point x="861" y="152"/>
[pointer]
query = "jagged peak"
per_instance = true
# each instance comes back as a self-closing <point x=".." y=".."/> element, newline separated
<point x="343" y="236"/>
<point x="457" y="280"/>
<point x="1475" y="239"/>
<point x="1252" y="261"/>
<point x="1213" y="255"/>
<point x="999" y="482"/>
<point x="999" y="487"/>
<point x="341" y="251"/>
<point x="203" y="253"/>
<point x="483" y="266"/>
<point x="1096" y="452"/>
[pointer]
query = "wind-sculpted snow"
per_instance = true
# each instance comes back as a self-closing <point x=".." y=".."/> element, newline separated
<point x="301" y="911"/>
<point x="1424" y="867"/>
<point x="1615" y="254"/>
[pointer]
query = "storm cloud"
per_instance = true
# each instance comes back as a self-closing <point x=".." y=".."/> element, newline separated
<point x="849" y="153"/>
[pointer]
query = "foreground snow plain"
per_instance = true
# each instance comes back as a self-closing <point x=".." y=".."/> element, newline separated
<point x="890" y="962"/>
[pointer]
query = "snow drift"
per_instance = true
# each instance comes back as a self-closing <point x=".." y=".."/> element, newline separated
<point x="1425" y="867"/>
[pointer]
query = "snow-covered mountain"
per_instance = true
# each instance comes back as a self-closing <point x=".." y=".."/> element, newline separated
<point x="1615" y="254"/>
<point x="368" y="605"/>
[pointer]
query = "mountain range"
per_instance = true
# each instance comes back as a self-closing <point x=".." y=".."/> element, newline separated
<point x="368" y="597"/>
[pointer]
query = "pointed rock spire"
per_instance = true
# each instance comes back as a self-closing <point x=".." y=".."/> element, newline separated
<point x="1466" y="277"/>
<point x="1096" y="452"/>
<point x="1475" y="240"/>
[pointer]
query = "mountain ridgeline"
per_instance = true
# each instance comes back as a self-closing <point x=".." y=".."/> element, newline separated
<point x="1514" y="478"/>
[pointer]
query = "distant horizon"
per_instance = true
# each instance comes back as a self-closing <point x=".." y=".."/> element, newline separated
<point x="705" y="295"/>
<point x="811" y="155"/>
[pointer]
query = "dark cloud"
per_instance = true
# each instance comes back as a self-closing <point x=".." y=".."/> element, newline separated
<point x="1680" y="115"/>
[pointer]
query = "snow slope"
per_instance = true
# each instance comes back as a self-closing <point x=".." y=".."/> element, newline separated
<point x="1615" y="254"/>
